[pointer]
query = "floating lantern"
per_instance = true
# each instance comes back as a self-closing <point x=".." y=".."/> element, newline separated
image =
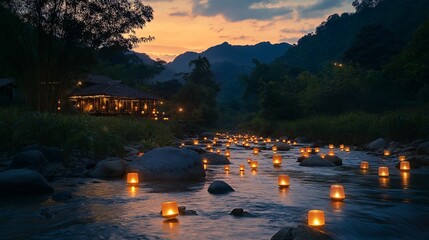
<point x="140" y="154"/>
<point x="214" y="142"/>
<point x="404" y="166"/>
<point x="226" y="168"/>
<point x="246" y="144"/>
<point x="132" y="178"/>
<point x="169" y="210"/>
<point x="268" y="140"/>
<point x="347" y="149"/>
<point x="364" y="165"/>
<point x="218" y="151"/>
<point x="295" y="143"/>
<point x="289" y="141"/>
<point x="386" y="153"/>
<point x="322" y="155"/>
<point x="241" y="168"/>
<point x="195" y="142"/>
<point x="283" y="181"/>
<point x="302" y="150"/>
<point x="205" y="138"/>
<point x="331" y="146"/>
<point x="305" y="154"/>
<point x="227" y="145"/>
<point x="211" y="150"/>
<point x="182" y="144"/>
<point x="254" y="165"/>
<point x="274" y="148"/>
<point x="205" y="167"/>
<point x="205" y="161"/>
<point x="277" y="160"/>
<point x="309" y="150"/>
<point x="317" y="150"/>
<point x="209" y="146"/>
<point x="249" y="160"/>
<point x="341" y="146"/>
<point x="337" y="193"/>
<point x="227" y="153"/>
<point x="316" y="218"/>
<point x="383" y="171"/>
<point x="331" y="153"/>
<point x="255" y="151"/>
<point x="402" y="158"/>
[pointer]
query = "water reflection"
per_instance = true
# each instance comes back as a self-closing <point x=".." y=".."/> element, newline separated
<point x="337" y="205"/>
<point x="132" y="191"/>
<point x="171" y="227"/>
<point x="383" y="182"/>
<point x="254" y="172"/>
<point x="364" y="171"/>
<point x="284" y="191"/>
<point x="405" y="179"/>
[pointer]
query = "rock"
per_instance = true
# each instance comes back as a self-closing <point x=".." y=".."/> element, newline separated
<point x="184" y="212"/>
<point x="52" y="154"/>
<point x="416" y="143"/>
<point x="422" y="159"/>
<point x="195" y="149"/>
<point x="32" y="159"/>
<point x="220" y="187"/>
<point x="316" y="161"/>
<point x="168" y="163"/>
<point x="109" y="168"/>
<point x="61" y="196"/>
<point x="215" y="159"/>
<point x="335" y="159"/>
<point x="317" y="144"/>
<point x="23" y="182"/>
<point x="301" y="232"/>
<point x="281" y="146"/>
<point x="302" y="140"/>
<point x="376" y="145"/>
<point x="130" y="150"/>
<point x="301" y="158"/>
<point x="239" y="212"/>
<point x="423" y="149"/>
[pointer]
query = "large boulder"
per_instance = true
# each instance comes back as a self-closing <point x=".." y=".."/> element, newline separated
<point x="52" y="154"/>
<point x="215" y="159"/>
<point x="376" y="145"/>
<point x="423" y="149"/>
<point x="281" y="146"/>
<point x="32" y="159"/>
<point x="168" y="163"/>
<point x="195" y="149"/>
<point x="220" y="187"/>
<point x="422" y="159"/>
<point x="301" y="232"/>
<point x="23" y="182"/>
<point x="109" y="168"/>
<point x="335" y="159"/>
<point x="316" y="161"/>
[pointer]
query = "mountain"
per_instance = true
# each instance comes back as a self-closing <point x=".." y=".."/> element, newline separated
<point x="338" y="33"/>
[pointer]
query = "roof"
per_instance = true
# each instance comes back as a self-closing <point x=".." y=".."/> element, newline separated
<point x="114" y="90"/>
<point x="5" y="82"/>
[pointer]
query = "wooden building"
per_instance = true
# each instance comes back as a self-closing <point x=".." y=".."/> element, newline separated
<point x="99" y="95"/>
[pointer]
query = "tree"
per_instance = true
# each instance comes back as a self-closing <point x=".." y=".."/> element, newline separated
<point x="56" y="41"/>
<point x="365" y="4"/>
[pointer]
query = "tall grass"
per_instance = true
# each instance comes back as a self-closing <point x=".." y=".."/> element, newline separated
<point x="350" y="128"/>
<point x="94" y="136"/>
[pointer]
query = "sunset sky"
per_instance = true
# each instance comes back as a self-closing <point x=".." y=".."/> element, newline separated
<point x="195" y="25"/>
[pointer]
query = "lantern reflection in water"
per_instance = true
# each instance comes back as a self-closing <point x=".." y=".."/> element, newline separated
<point x="405" y="179"/>
<point x="132" y="191"/>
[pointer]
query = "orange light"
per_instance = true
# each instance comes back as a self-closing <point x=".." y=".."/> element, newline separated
<point x="205" y="161"/>
<point x="132" y="178"/>
<point x="277" y="159"/>
<point x="227" y="153"/>
<point x="383" y="171"/>
<point x="254" y="165"/>
<point x="331" y="153"/>
<point x="316" y="218"/>
<point x="402" y="158"/>
<point x="255" y="151"/>
<point x="218" y="151"/>
<point x="205" y="167"/>
<point x="226" y="168"/>
<point x="241" y="168"/>
<point x="283" y="181"/>
<point x="331" y="146"/>
<point x="322" y="155"/>
<point x="386" y="153"/>
<point x="404" y="166"/>
<point x="274" y="148"/>
<point x="249" y="160"/>
<point x="341" y="146"/>
<point x="195" y="142"/>
<point x="141" y="154"/>
<point x="317" y="150"/>
<point x="337" y="193"/>
<point x="169" y="210"/>
<point x="364" y="165"/>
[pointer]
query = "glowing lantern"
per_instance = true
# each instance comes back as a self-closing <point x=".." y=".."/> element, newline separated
<point x="205" y="138"/>
<point x="209" y="146"/>
<point x="195" y="142"/>
<point x="347" y="149"/>
<point x="218" y="151"/>
<point x="241" y="168"/>
<point x="309" y="150"/>
<point x="386" y="153"/>
<point x="322" y="155"/>
<point x="341" y="146"/>
<point x="283" y="181"/>
<point x="305" y="154"/>
<point x="302" y="150"/>
<point x="255" y="151"/>
<point x="289" y="141"/>
<point x="226" y="168"/>
<point x="317" y="150"/>
<point x="404" y="166"/>
<point x="227" y="153"/>
<point x="182" y="144"/>
<point x="211" y="150"/>
<point x="254" y="165"/>
<point x="295" y="143"/>
<point x="331" y="153"/>
<point x="274" y="148"/>
<point x="169" y="210"/>
<point x="402" y="158"/>
<point x="249" y="160"/>
<point x="205" y="161"/>
<point x="246" y="144"/>
<point x="364" y="165"/>
<point x="383" y="171"/>
<point x="228" y="144"/>
<point x="132" y="178"/>
<point x="268" y="140"/>
<point x="331" y="146"/>
<point x="337" y="193"/>
<point x="277" y="160"/>
<point x="316" y="218"/>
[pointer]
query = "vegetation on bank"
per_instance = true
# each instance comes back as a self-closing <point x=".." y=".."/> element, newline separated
<point x="94" y="136"/>
<point x="350" y="128"/>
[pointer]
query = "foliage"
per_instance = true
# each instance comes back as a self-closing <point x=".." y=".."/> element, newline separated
<point x="95" y="136"/>
<point x="52" y="43"/>
<point x="198" y="95"/>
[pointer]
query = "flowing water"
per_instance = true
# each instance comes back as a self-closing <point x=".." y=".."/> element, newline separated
<point x="375" y="208"/>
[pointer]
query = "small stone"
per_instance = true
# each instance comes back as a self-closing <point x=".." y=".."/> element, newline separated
<point x="239" y="212"/>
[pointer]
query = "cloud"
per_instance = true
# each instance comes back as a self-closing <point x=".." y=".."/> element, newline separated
<point x="241" y="37"/>
<point x="179" y="14"/>
<point x="297" y="31"/>
<point x="319" y="8"/>
<point x="238" y="10"/>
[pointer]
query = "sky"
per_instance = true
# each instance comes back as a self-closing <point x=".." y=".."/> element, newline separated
<point x="195" y="25"/>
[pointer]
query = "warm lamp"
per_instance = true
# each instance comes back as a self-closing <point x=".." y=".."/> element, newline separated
<point x="268" y="140"/>
<point x="254" y="165"/>
<point x="277" y="160"/>
<point x="205" y="161"/>
<point x="255" y="151"/>
<point x="132" y="178"/>
<point x="218" y="151"/>
<point x="302" y="150"/>
<point x="316" y="218"/>
<point x="195" y="142"/>
<point x="226" y="168"/>
<point x="402" y="158"/>
<point x="331" y="153"/>
<point x="341" y="146"/>
<point x="404" y="166"/>
<point x="241" y="168"/>
<point x="331" y="146"/>
<point x="347" y="149"/>
<point x="283" y="181"/>
<point x="205" y="167"/>
<point x="308" y="150"/>
<point x="364" y="165"/>
<point x="274" y="148"/>
<point x="317" y="150"/>
<point x="383" y="171"/>
<point x="295" y="143"/>
<point x="249" y="160"/>
<point x="322" y="155"/>
<point x="170" y="210"/>
<point x="227" y="153"/>
<point x="386" y="153"/>
<point x="228" y="144"/>
<point x="337" y="193"/>
<point x="209" y="146"/>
